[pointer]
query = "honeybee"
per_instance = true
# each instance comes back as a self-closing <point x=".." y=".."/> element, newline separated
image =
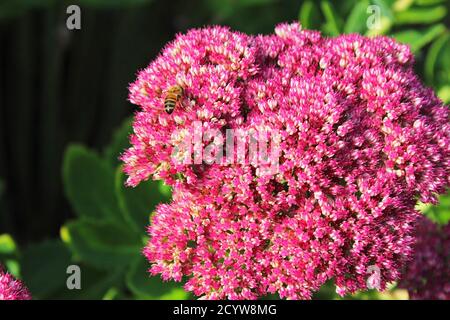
<point x="173" y="97"/>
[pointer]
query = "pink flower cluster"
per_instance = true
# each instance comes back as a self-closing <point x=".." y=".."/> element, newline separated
<point x="427" y="276"/>
<point x="361" y="140"/>
<point x="12" y="289"/>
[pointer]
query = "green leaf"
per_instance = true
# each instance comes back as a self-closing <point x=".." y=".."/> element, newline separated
<point x="95" y="284"/>
<point x="386" y="19"/>
<point x="138" y="203"/>
<point x="102" y="244"/>
<point x="357" y="19"/>
<point x="326" y="292"/>
<point x="9" y="254"/>
<point x="13" y="267"/>
<point x="309" y="15"/>
<point x="428" y="2"/>
<point x="444" y="94"/>
<point x="112" y="294"/>
<point x="331" y="26"/>
<point x="402" y="5"/>
<point x="442" y="69"/>
<point x="385" y="8"/>
<point x="89" y="184"/>
<point x="145" y="286"/>
<point x="439" y="213"/>
<point x="407" y="36"/>
<point x="44" y="267"/>
<point x="428" y="36"/>
<point x="7" y="245"/>
<point x="165" y="190"/>
<point x="420" y="15"/>
<point x="432" y="56"/>
<point x="418" y="39"/>
<point x="119" y="143"/>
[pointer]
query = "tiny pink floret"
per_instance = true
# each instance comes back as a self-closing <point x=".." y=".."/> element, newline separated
<point x="12" y="289"/>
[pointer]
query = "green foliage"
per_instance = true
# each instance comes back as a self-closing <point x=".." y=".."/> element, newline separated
<point x="356" y="21"/>
<point x="136" y="203"/>
<point x="97" y="284"/>
<point x="444" y="94"/>
<point x="9" y="254"/>
<point x="418" y="39"/>
<point x="436" y="49"/>
<point x="441" y="77"/>
<point x="422" y="24"/>
<point x="309" y="14"/>
<point x="146" y="287"/>
<point x="421" y="15"/>
<point x="44" y="267"/>
<point x="102" y="244"/>
<point x="7" y="245"/>
<point x="87" y="182"/>
<point x="332" y="23"/>
<point x="439" y="213"/>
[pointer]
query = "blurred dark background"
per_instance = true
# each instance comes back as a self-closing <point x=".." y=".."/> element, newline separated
<point x="59" y="86"/>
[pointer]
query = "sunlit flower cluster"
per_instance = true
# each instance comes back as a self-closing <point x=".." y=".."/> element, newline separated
<point x="427" y="276"/>
<point x="361" y="140"/>
<point x="12" y="289"/>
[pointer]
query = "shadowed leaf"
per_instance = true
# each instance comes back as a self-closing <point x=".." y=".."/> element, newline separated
<point x="44" y="267"/>
<point x="145" y="286"/>
<point x="89" y="184"/>
<point x="102" y="244"/>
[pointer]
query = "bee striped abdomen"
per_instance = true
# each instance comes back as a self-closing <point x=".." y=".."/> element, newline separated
<point x="173" y="96"/>
<point x="169" y="105"/>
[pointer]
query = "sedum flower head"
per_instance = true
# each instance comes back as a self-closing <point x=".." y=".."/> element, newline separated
<point x="360" y="139"/>
<point x="427" y="276"/>
<point x="12" y="289"/>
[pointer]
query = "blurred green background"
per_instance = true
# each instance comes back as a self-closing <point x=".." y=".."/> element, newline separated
<point x="64" y="119"/>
